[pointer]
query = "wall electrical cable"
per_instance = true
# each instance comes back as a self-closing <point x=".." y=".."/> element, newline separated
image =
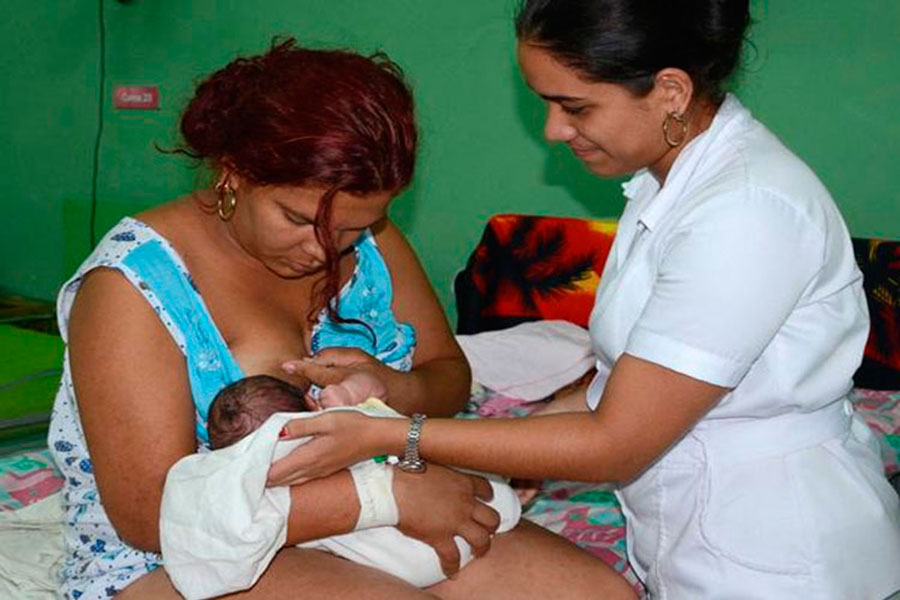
<point x="101" y="95"/>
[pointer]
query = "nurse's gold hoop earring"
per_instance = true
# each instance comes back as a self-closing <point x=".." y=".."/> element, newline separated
<point x="667" y="126"/>
<point x="227" y="201"/>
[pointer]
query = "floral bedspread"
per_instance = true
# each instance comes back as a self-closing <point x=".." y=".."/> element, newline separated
<point x="587" y="514"/>
<point x="26" y="478"/>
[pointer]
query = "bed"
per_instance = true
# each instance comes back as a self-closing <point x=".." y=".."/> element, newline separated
<point x="525" y="269"/>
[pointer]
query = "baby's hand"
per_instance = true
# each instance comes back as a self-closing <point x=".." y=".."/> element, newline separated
<point x="353" y="390"/>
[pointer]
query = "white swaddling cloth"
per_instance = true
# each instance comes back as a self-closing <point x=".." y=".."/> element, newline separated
<point x="220" y="526"/>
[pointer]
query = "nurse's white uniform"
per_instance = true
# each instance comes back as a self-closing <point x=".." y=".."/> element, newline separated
<point x="740" y="273"/>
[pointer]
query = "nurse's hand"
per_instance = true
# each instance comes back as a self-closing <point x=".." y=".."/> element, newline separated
<point x="441" y="503"/>
<point x="340" y="439"/>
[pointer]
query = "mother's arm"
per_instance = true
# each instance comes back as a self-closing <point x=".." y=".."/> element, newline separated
<point x="133" y="398"/>
<point x="439" y="382"/>
<point x="138" y="418"/>
<point x="441" y="379"/>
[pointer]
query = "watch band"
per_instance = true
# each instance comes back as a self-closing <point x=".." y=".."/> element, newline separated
<point x="411" y="461"/>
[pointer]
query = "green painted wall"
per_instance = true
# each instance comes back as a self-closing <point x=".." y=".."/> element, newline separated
<point x="48" y="118"/>
<point x="823" y="76"/>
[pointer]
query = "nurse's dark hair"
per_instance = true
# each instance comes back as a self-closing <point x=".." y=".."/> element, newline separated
<point x="294" y="116"/>
<point x="629" y="41"/>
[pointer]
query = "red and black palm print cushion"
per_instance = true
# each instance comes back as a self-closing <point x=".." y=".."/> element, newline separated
<point x="527" y="268"/>
<point x="879" y="261"/>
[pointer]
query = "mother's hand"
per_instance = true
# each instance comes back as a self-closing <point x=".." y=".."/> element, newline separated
<point x="340" y="439"/>
<point x="442" y="503"/>
<point x="334" y="365"/>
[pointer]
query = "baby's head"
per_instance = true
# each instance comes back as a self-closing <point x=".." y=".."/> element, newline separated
<point x="241" y="407"/>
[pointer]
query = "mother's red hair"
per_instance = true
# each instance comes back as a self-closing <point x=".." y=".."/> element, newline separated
<point x="302" y="117"/>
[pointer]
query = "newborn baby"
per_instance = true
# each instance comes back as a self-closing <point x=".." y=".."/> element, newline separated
<point x="220" y="497"/>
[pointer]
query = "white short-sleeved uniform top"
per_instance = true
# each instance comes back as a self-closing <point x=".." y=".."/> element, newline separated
<point x="739" y="272"/>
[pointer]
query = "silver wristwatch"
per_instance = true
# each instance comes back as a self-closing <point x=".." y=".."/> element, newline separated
<point x="411" y="461"/>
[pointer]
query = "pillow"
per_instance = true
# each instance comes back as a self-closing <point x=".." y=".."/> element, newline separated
<point x="529" y="361"/>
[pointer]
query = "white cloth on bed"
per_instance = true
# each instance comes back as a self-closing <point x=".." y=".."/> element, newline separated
<point x="529" y="361"/>
<point x="740" y="272"/>
<point x="31" y="550"/>
<point x="220" y="525"/>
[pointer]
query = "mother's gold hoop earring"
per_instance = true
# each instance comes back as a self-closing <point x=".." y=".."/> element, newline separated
<point x="667" y="126"/>
<point x="227" y="201"/>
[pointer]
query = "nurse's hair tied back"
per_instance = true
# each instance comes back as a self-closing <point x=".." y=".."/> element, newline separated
<point x="629" y="41"/>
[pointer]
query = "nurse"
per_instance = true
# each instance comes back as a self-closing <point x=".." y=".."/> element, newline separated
<point x="728" y="323"/>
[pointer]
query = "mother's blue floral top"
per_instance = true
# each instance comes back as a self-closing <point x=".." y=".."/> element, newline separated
<point x="98" y="563"/>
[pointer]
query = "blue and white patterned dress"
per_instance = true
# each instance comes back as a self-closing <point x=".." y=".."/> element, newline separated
<point x="98" y="563"/>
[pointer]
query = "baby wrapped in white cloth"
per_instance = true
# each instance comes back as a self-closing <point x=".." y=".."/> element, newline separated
<point x="220" y="526"/>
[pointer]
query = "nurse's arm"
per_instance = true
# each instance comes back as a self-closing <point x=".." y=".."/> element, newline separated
<point x="568" y="401"/>
<point x="645" y="409"/>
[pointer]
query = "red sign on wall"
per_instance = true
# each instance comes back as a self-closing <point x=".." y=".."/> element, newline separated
<point x="136" y="97"/>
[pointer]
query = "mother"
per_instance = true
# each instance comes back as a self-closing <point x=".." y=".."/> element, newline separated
<point x="291" y="253"/>
<point x="728" y="323"/>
